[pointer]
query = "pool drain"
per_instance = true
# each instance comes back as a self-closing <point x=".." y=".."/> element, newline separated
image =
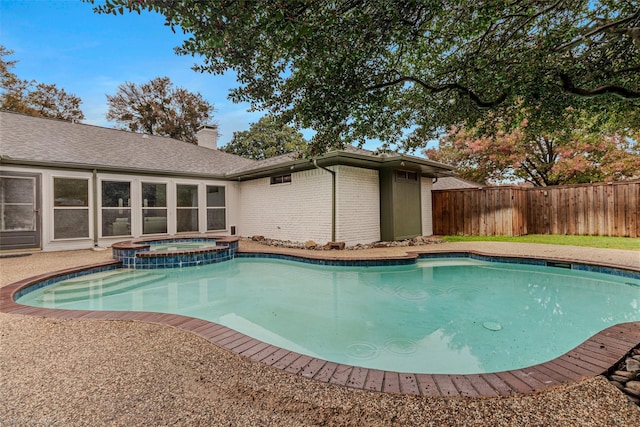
<point x="492" y="326"/>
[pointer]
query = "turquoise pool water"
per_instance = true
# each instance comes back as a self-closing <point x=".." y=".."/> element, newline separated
<point x="455" y="316"/>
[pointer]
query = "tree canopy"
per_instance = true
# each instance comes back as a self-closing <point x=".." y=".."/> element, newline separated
<point x="159" y="108"/>
<point x="563" y="157"/>
<point x="266" y="138"/>
<point x="406" y="71"/>
<point x="33" y="98"/>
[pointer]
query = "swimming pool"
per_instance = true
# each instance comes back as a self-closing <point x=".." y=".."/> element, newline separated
<point x="440" y="315"/>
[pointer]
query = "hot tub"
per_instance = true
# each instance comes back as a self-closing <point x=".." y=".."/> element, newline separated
<point x="175" y="252"/>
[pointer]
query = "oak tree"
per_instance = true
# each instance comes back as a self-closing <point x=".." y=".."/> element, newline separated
<point x="159" y="108"/>
<point x="358" y="69"/>
<point x="266" y="138"/>
<point x="33" y="98"/>
<point x="571" y="157"/>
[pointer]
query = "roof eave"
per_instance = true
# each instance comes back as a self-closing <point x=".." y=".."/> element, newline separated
<point x="427" y="168"/>
<point x="4" y="160"/>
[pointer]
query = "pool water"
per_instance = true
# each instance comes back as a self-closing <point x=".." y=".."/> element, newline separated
<point x="453" y="316"/>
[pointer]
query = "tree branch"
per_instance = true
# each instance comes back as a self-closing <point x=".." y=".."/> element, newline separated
<point x="624" y="93"/>
<point x="526" y="21"/>
<point x="536" y="178"/>
<point x="437" y="89"/>
<point x="597" y="30"/>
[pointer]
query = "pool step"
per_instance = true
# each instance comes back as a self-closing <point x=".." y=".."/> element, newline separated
<point x="100" y="284"/>
<point x="103" y="278"/>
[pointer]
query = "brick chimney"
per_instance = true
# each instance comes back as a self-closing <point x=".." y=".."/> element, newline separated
<point x="208" y="136"/>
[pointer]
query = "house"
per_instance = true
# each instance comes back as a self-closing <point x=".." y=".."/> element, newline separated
<point x="67" y="185"/>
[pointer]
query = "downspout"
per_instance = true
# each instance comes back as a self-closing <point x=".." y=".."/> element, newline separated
<point x="95" y="208"/>
<point x="333" y="198"/>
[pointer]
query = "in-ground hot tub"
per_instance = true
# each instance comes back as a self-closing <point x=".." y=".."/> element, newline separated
<point x="175" y="252"/>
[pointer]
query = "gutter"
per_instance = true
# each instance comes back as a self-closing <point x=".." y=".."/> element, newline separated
<point x="6" y="160"/>
<point x="333" y="198"/>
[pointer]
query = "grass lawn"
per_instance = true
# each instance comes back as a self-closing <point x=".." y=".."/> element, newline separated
<point x="627" y="243"/>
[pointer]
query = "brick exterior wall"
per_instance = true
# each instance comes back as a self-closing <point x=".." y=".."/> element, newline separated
<point x="296" y="211"/>
<point x="358" y="200"/>
<point x="426" y="185"/>
<point x="301" y="210"/>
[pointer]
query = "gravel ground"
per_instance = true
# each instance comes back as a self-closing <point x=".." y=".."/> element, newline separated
<point x="87" y="372"/>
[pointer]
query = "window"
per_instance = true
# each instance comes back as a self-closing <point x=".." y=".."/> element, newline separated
<point x="282" y="179"/>
<point x="116" y="208"/>
<point x="406" y="175"/>
<point x="17" y="204"/>
<point x="216" y="211"/>
<point x="70" y="208"/>
<point x="154" y="208"/>
<point x="187" y="208"/>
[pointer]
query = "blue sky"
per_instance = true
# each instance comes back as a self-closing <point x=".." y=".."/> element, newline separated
<point x="64" y="42"/>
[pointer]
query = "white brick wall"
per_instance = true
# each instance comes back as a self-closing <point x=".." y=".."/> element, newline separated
<point x="427" y="212"/>
<point x="358" y="201"/>
<point x="296" y="211"/>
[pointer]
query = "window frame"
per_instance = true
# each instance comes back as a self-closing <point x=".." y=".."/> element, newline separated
<point x="192" y="208"/>
<point x="104" y="209"/>
<point x="144" y="209"/>
<point x="281" y="179"/>
<point x="406" y="175"/>
<point x="33" y="203"/>
<point x="222" y="208"/>
<point x="55" y="208"/>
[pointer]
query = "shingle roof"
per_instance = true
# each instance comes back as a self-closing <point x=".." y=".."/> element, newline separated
<point x="289" y="157"/>
<point x="271" y="161"/>
<point x="50" y="141"/>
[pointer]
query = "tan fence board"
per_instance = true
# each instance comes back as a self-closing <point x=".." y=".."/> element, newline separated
<point x="604" y="209"/>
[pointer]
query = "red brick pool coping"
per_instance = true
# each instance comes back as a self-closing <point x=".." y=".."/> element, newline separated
<point x="591" y="358"/>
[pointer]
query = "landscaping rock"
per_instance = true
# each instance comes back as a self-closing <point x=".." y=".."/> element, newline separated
<point x="632" y="365"/>
<point x="626" y="374"/>
<point x="631" y="392"/>
<point x="335" y="245"/>
<point x="633" y="386"/>
<point x="618" y="378"/>
<point x="420" y="240"/>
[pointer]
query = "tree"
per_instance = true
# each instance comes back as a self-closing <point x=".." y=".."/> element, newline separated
<point x="571" y="157"/>
<point x="33" y="98"/>
<point x="157" y="108"/>
<point x="266" y="138"/>
<point x="353" y="70"/>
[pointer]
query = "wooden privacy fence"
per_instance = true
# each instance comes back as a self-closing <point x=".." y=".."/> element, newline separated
<point x="604" y="209"/>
